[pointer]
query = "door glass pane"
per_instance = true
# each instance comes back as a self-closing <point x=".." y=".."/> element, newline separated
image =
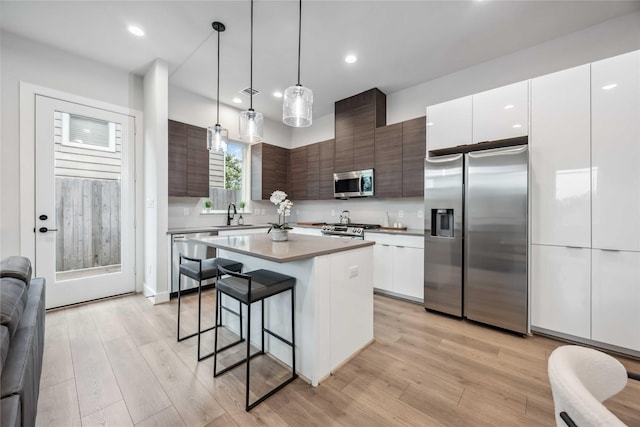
<point x="88" y="196"/>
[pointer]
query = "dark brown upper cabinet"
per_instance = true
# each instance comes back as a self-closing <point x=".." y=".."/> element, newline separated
<point x="298" y="176"/>
<point x="414" y="151"/>
<point x="313" y="172"/>
<point x="388" y="161"/>
<point x="188" y="161"/>
<point x="269" y="170"/>
<point x="356" y="119"/>
<point x="327" y="149"/>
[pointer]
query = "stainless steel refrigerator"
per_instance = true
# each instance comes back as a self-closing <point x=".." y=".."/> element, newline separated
<point x="475" y="251"/>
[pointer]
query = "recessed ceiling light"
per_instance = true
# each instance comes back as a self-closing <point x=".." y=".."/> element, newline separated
<point x="508" y="106"/>
<point x="237" y="100"/>
<point x="609" y="86"/>
<point x="350" y="59"/>
<point x="517" y="126"/>
<point x="136" y="31"/>
<point x="277" y="94"/>
<point x="430" y="124"/>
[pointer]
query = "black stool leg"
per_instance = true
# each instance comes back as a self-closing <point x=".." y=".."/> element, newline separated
<point x="262" y="301"/>
<point x="248" y="355"/>
<point x="215" y="341"/>
<point x="293" y="334"/>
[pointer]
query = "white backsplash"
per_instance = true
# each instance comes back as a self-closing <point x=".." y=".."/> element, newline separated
<point x="363" y="210"/>
<point x="406" y="211"/>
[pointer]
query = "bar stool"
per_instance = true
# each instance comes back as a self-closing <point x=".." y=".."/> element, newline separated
<point x="200" y="270"/>
<point x="248" y="288"/>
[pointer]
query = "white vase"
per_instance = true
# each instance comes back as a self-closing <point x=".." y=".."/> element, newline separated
<point x="278" y="235"/>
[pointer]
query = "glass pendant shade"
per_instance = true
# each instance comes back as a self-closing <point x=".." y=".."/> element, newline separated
<point x="297" y="106"/>
<point x="251" y="126"/>
<point x="217" y="138"/>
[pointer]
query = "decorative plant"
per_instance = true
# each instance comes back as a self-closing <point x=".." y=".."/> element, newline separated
<point x="242" y="205"/>
<point x="207" y="204"/>
<point x="279" y="198"/>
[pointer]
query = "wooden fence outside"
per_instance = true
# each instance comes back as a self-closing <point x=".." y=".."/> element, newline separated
<point x="88" y="222"/>
<point x="221" y="197"/>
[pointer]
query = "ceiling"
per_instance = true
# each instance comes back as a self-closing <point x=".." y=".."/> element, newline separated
<point x="398" y="43"/>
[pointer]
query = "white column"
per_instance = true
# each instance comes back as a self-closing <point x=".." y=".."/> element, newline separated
<point x="156" y="115"/>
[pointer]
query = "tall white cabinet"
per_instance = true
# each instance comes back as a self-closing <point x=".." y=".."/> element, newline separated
<point x="560" y="158"/>
<point x="615" y="148"/>
<point x="585" y="202"/>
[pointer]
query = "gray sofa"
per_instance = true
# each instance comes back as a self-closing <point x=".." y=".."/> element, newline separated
<point x="21" y="341"/>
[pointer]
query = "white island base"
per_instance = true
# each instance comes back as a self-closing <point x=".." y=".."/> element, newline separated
<point x="333" y="305"/>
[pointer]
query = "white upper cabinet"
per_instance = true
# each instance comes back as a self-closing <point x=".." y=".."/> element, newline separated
<point x="615" y="151"/>
<point x="501" y="113"/>
<point x="561" y="289"/>
<point x="616" y="298"/>
<point x="559" y="146"/>
<point x="449" y="124"/>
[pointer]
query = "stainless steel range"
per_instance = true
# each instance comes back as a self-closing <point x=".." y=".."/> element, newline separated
<point x="353" y="231"/>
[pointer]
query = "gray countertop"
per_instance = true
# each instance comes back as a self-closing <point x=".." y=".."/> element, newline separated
<point x="204" y="229"/>
<point x="298" y="246"/>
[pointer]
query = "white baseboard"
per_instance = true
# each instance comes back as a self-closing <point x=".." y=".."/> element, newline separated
<point x="156" y="298"/>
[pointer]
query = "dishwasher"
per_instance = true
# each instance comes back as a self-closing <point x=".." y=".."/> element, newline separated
<point x="181" y="243"/>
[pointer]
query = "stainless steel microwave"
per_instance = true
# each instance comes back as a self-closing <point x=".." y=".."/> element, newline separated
<point x="353" y="184"/>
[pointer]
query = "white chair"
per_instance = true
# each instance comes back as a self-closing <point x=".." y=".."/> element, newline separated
<point x="581" y="379"/>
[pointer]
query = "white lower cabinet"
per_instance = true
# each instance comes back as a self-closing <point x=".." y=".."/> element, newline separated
<point x="408" y="271"/>
<point x="561" y="289"/>
<point x="398" y="264"/>
<point x="383" y="267"/>
<point x="616" y="298"/>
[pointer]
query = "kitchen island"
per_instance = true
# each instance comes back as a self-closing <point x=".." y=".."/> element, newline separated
<point x="334" y="296"/>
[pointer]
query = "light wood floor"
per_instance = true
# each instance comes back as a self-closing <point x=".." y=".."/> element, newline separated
<point x="117" y="363"/>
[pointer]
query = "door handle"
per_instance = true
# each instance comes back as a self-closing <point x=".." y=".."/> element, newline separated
<point x="45" y="229"/>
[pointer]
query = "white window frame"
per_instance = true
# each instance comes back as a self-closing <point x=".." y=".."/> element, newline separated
<point x="66" y="121"/>
<point x="246" y="181"/>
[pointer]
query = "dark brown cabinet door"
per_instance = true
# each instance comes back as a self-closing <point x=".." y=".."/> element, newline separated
<point x="356" y="119"/>
<point x="364" y="137"/>
<point x="269" y="170"/>
<point x="344" y="141"/>
<point x="313" y="171"/>
<point x="298" y="177"/>
<point x="197" y="162"/>
<point x="177" y="159"/>
<point x="414" y="151"/>
<point x="326" y="169"/>
<point x="388" y="158"/>
<point x="188" y="161"/>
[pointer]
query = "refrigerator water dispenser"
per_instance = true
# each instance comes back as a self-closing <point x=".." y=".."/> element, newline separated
<point x="442" y="222"/>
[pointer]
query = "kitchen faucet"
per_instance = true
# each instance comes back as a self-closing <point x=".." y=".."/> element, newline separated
<point x="229" y="214"/>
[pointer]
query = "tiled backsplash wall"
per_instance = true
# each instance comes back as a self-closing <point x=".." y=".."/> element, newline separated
<point x="186" y="212"/>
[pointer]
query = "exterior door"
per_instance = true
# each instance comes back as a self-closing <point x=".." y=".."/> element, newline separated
<point x="84" y="206"/>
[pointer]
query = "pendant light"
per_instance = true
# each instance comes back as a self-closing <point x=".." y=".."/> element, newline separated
<point x="250" y="121"/>
<point x="217" y="135"/>
<point x="298" y="100"/>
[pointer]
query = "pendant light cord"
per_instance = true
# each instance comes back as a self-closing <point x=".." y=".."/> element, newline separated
<point x="218" y="85"/>
<point x="251" y="64"/>
<point x="299" y="37"/>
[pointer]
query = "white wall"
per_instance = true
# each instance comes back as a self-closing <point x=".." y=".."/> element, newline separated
<point x="24" y="60"/>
